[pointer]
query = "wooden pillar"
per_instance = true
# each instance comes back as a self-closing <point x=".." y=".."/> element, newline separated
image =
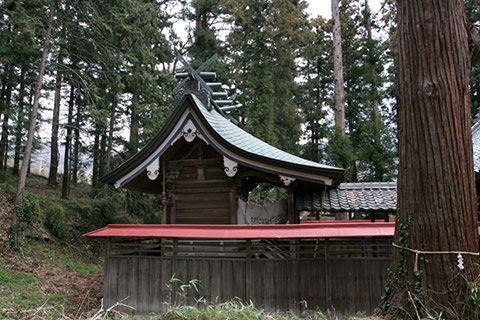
<point x="174" y="268"/>
<point x="233" y="207"/>
<point x="164" y="192"/>
<point x="248" y="271"/>
<point x="173" y="219"/>
<point x="387" y="217"/>
<point x="327" y="277"/>
<point x="292" y="215"/>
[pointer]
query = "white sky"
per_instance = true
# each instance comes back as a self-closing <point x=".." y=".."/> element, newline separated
<point x="315" y="8"/>
<point x="324" y="7"/>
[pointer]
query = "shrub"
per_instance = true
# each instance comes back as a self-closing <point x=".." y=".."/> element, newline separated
<point x="473" y="294"/>
<point x="55" y="221"/>
<point x="25" y="214"/>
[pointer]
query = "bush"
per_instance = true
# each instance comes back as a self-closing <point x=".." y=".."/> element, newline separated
<point x="55" y="221"/>
<point x="89" y="214"/>
<point x="25" y="214"/>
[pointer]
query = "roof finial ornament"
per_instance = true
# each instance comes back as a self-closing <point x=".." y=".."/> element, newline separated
<point x="193" y="81"/>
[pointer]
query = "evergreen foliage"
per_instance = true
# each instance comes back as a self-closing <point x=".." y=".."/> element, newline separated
<point x="340" y="151"/>
<point x="472" y="7"/>
<point x="315" y="90"/>
<point x="113" y="62"/>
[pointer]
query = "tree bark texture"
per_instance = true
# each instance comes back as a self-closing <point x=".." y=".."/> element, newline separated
<point x="54" y="155"/>
<point x="437" y="207"/>
<point x="68" y="142"/>
<point x="339" y="95"/>
<point x="76" y="146"/>
<point x="96" y="158"/>
<point x="5" y="128"/>
<point x="133" y="139"/>
<point x="33" y="114"/>
<point x="110" y="133"/>
<point x="20" y="124"/>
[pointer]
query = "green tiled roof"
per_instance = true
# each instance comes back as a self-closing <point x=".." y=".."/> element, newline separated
<point x="247" y="142"/>
<point x="236" y="142"/>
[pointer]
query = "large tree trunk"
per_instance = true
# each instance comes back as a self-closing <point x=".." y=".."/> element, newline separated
<point x="339" y="95"/>
<point x="102" y="155"/>
<point x="110" y="133"/>
<point x="68" y="142"/>
<point x="33" y="113"/>
<point x="133" y="141"/>
<point x="437" y="208"/>
<point x="96" y="158"/>
<point x="2" y="94"/>
<point x="54" y="155"/>
<point x="5" y="128"/>
<point x="76" y="146"/>
<point x="20" y="124"/>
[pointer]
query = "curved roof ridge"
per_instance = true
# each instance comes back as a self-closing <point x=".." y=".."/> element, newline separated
<point x="228" y="139"/>
<point x="248" y="142"/>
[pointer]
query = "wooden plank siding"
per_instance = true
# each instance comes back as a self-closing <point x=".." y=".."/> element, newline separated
<point x="350" y="277"/>
<point x="200" y="192"/>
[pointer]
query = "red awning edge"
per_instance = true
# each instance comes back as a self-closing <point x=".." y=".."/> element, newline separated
<point x="324" y="229"/>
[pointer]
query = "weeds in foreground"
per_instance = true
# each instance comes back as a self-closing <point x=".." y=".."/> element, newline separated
<point x="234" y="309"/>
<point x="473" y="295"/>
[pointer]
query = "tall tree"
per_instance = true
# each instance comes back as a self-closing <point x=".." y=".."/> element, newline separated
<point x="54" y="154"/>
<point x="315" y="90"/>
<point x="437" y="207"/>
<point x="375" y="149"/>
<point x="264" y="43"/>
<point x="34" y="111"/>
<point x="20" y="122"/>
<point x="205" y="42"/>
<point x="339" y="95"/>
<point x="66" y="179"/>
<point x="472" y="8"/>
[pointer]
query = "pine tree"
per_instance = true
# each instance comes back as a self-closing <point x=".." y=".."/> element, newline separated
<point x="33" y="113"/>
<point x="315" y="90"/>
<point x="263" y="45"/>
<point x="472" y="8"/>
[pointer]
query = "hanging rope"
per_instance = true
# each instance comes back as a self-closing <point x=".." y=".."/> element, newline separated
<point x="417" y="252"/>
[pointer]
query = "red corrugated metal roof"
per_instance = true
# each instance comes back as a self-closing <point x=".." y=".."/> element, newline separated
<point x="330" y="229"/>
<point x="308" y="230"/>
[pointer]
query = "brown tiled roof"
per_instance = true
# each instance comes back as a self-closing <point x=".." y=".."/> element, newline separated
<point x="351" y="197"/>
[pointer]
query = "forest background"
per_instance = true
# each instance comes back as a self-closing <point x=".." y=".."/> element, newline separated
<point x="110" y="75"/>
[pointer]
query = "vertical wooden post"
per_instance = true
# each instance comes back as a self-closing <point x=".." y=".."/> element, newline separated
<point x="233" y="207"/>
<point x="292" y="217"/>
<point x="173" y="219"/>
<point x="327" y="284"/>
<point x="174" y="268"/>
<point x="248" y="270"/>
<point x="107" y="280"/>
<point x="164" y="193"/>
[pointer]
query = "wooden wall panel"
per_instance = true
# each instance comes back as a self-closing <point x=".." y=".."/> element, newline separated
<point x="201" y="192"/>
<point x="238" y="269"/>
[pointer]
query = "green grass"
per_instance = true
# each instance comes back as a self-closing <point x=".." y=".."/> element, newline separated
<point x="49" y="253"/>
<point x="20" y="290"/>
<point x="235" y="310"/>
<point x="69" y="262"/>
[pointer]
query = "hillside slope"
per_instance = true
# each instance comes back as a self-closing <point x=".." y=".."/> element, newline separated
<point x="47" y="278"/>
